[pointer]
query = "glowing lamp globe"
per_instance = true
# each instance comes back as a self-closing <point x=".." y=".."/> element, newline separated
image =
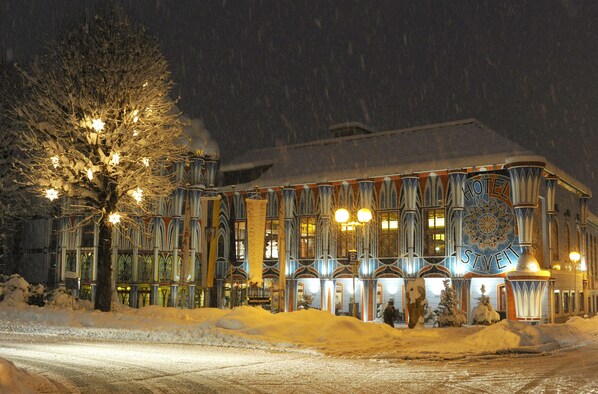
<point x="341" y="215"/>
<point x="364" y="215"/>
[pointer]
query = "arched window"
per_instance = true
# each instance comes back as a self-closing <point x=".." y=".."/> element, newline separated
<point x="307" y="225"/>
<point x="272" y="223"/>
<point x="434" y="218"/>
<point x="554" y="240"/>
<point x="388" y="221"/>
<point x="567" y="238"/>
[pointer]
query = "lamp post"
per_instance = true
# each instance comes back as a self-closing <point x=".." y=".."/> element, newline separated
<point x="342" y="216"/>
<point x="575" y="257"/>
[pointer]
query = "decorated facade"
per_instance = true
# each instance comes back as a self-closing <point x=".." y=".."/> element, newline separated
<point x="449" y="201"/>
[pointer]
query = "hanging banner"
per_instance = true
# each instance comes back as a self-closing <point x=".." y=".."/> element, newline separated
<point x="210" y="211"/>
<point x="256" y="232"/>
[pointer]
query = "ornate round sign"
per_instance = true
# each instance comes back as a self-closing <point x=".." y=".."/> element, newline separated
<point x="488" y="225"/>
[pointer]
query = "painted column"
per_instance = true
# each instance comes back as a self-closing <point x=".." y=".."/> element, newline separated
<point x="528" y="281"/>
<point x="211" y="172"/>
<point x="155" y="270"/>
<point x="410" y="186"/>
<point x="462" y="288"/>
<point x="288" y="199"/>
<point x="133" y="293"/>
<point x="583" y="224"/>
<point x="366" y="197"/>
<point x="551" y="182"/>
<point x="325" y="196"/>
<point x="457" y="181"/>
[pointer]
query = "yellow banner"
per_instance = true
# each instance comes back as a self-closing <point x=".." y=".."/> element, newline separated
<point x="256" y="233"/>
<point x="213" y="241"/>
<point x="210" y="213"/>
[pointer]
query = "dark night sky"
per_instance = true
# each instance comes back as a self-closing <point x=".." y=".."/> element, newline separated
<point x="265" y="72"/>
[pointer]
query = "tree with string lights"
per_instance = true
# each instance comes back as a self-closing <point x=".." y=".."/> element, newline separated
<point x="99" y="129"/>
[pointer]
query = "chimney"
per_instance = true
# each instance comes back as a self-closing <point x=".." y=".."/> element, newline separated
<point x="349" y="128"/>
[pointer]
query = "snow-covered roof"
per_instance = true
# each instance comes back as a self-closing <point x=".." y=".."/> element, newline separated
<point x="461" y="144"/>
<point x="198" y="139"/>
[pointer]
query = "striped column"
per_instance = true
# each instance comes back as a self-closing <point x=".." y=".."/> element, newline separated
<point x="289" y="197"/>
<point x="366" y="199"/>
<point x="457" y="181"/>
<point x="528" y="281"/>
<point x="410" y="186"/>
<point x="551" y="182"/>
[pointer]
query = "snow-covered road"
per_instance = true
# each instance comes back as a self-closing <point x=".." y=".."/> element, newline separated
<point x="101" y="366"/>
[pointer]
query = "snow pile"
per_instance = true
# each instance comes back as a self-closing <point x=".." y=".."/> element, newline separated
<point x="305" y="331"/>
<point x="484" y="312"/>
<point x="15" y="380"/>
<point x="309" y="331"/>
<point x="16" y="291"/>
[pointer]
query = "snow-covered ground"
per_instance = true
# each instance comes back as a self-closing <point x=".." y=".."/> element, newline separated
<point x="311" y="331"/>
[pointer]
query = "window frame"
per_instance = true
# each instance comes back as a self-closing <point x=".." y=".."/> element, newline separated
<point x="430" y="234"/>
<point x="271" y="248"/>
<point x="388" y="239"/>
<point x="240" y="235"/>
<point x="307" y="241"/>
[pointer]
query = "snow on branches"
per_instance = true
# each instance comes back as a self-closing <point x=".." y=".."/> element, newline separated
<point x="449" y="314"/>
<point x="100" y="127"/>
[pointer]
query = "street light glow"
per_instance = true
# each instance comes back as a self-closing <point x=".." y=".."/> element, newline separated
<point x="341" y="215"/>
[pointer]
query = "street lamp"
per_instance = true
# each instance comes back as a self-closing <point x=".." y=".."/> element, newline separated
<point x="342" y="216"/>
<point x="575" y="257"/>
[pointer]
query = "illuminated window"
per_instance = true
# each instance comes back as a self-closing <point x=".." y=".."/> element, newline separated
<point x="240" y="227"/>
<point x="434" y="232"/>
<point x="86" y="265"/>
<point x="271" y="239"/>
<point x="307" y="237"/>
<point x="388" y="234"/>
<point x="345" y="240"/>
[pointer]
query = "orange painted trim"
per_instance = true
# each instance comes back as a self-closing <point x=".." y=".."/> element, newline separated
<point x="511" y="308"/>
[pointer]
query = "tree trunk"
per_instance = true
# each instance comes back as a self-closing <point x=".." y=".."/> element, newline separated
<point x="103" y="299"/>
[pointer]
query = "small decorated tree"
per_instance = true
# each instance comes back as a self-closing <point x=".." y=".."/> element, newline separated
<point x="484" y="312"/>
<point x="449" y="315"/>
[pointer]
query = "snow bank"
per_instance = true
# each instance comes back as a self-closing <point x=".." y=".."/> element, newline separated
<point x="305" y="330"/>
<point x="15" y="380"/>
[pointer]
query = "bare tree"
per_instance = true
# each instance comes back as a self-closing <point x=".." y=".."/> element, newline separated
<point x="100" y="130"/>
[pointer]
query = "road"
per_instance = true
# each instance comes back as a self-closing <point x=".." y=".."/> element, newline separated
<point x="93" y="366"/>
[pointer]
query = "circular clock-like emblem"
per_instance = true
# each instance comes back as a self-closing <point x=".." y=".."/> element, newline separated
<point x="488" y="225"/>
<point x="489" y="229"/>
